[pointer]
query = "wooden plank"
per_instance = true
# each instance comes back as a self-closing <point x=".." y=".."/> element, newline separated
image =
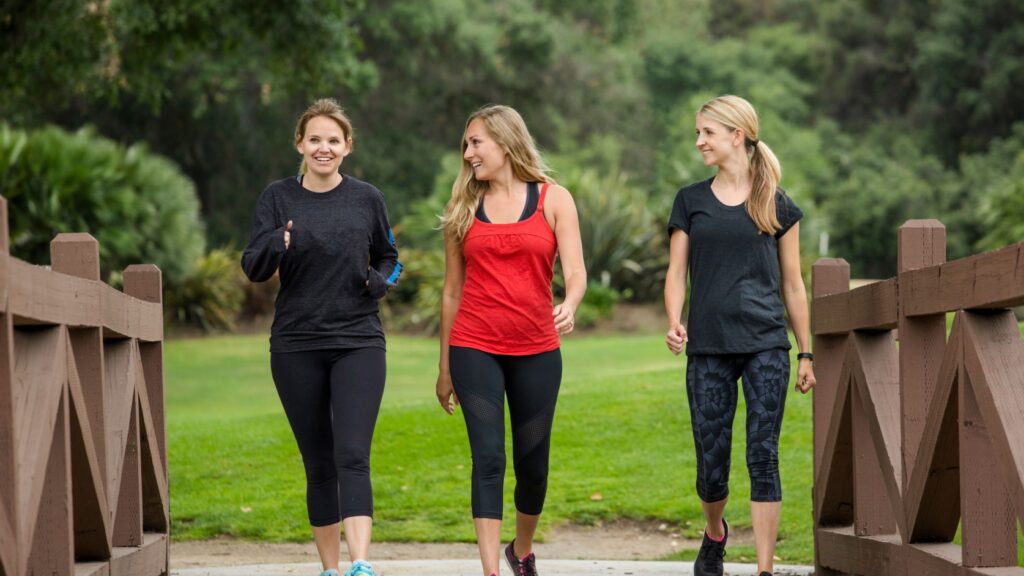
<point x="8" y="540"/>
<point x="42" y="296"/>
<point x="921" y="243"/>
<point x="989" y="533"/>
<point x="119" y="394"/>
<point x="152" y="362"/>
<point x="127" y="317"/>
<point x="51" y="548"/>
<point x="870" y="307"/>
<point x="155" y="497"/>
<point x="845" y="552"/>
<point x="128" y="515"/>
<point x="92" y="569"/>
<point x="873" y="359"/>
<point x="993" y="356"/>
<point x="39" y="376"/>
<point x="989" y="280"/>
<point x="833" y="486"/>
<point x="150" y="559"/>
<point x="828" y="276"/>
<point x="92" y="527"/>
<point x="87" y="352"/>
<point x="50" y="297"/>
<point x="936" y="473"/>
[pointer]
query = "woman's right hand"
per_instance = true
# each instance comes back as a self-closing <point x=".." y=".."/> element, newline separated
<point x="287" y="234"/>
<point x="675" y="338"/>
<point x="446" y="393"/>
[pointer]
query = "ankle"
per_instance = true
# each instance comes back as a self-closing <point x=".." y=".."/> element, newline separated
<point x="718" y="534"/>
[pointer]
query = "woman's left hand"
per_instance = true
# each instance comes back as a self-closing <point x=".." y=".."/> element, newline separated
<point x="805" y="379"/>
<point x="565" y="318"/>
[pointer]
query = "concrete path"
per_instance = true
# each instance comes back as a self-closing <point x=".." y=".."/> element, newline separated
<point x="472" y="568"/>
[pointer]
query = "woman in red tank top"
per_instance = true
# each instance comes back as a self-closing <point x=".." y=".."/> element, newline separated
<point x="503" y="227"/>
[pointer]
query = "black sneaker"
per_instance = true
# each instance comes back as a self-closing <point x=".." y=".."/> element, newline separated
<point x="526" y="566"/>
<point x="764" y="573"/>
<point x="709" y="559"/>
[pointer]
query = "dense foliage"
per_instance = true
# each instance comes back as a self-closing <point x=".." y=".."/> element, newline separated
<point x="879" y="111"/>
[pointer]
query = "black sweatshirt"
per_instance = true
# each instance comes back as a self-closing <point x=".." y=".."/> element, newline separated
<point x="341" y="259"/>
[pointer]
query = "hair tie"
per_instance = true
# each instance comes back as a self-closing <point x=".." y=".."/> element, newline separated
<point x="754" y="142"/>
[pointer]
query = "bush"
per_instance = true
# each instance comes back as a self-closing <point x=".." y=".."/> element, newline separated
<point x="211" y="295"/>
<point x="624" y="245"/>
<point x="598" y="304"/>
<point x="137" y="204"/>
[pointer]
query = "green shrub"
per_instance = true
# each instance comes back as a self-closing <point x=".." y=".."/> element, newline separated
<point x="211" y="296"/>
<point x="598" y="304"/>
<point x="137" y="204"/>
<point x="624" y="245"/>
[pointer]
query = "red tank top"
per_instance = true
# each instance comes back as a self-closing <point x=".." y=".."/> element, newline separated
<point x="506" y="298"/>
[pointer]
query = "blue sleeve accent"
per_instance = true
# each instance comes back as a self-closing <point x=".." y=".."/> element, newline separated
<point x="391" y="236"/>
<point x="395" y="273"/>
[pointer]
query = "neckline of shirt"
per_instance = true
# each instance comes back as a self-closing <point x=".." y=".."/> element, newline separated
<point x="741" y="205"/>
<point x="345" y="178"/>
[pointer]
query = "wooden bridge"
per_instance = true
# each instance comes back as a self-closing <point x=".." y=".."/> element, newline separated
<point x="83" y="456"/>
<point x="916" y="432"/>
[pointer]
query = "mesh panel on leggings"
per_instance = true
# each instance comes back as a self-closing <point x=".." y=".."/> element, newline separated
<point x="480" y="408"/>
<point x="534" y="431"/>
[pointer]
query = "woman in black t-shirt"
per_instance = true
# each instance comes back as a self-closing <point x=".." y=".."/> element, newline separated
<point x="738" y="235"/>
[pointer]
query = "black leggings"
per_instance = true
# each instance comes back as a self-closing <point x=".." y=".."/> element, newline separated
<point x="331" y="398"/>
<point x="711" y="390"/>
<point x="531" y="383"/>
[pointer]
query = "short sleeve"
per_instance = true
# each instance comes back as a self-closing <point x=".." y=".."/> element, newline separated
<point x="680" y="217"/>
<point x="787" y="212"/>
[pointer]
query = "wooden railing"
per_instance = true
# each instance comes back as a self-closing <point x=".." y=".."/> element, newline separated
<point x="916" y="433"/>
<point x="83" y="456"/>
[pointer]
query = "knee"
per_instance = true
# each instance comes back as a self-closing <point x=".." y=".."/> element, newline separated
<point x="319" y="469"/>
<point x="352" y="457"/>
<point x="489" y="466"/>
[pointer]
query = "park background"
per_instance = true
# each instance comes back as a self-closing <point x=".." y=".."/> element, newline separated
<point x="155" y="125"/>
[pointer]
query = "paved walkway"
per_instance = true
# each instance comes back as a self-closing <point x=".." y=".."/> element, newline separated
<point x="472" y="568"/>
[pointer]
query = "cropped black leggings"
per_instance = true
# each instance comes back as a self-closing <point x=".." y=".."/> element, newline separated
<point x="482" y="381"/>
<point x="711" y="390"/>
<point x="331" y="398"/>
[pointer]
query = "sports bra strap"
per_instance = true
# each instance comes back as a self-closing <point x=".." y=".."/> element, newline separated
<point x="543" y="194"/>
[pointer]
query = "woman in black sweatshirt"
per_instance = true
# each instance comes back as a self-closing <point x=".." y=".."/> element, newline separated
<point x="327" y="236"/>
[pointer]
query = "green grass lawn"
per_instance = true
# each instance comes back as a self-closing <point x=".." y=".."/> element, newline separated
<point x="621" y="430"/>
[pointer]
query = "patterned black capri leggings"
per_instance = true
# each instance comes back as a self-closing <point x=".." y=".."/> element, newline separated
<point x="711" y="391"/>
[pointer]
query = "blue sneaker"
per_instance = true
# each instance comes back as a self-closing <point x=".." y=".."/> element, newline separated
<point x="331" y="572"/>
<point x="360" y="568"/>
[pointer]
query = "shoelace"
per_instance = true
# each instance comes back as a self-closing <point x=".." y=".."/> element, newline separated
<point x="713" y="556"/>
<point x="361" y="568"/>
<point x="528" y="567"/>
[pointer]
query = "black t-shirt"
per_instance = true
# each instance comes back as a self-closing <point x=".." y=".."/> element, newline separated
<point x="735" y="302"/>
<point x="340" y="261"/>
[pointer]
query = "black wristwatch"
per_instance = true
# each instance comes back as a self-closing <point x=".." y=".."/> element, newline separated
<point x="805" y="356"/>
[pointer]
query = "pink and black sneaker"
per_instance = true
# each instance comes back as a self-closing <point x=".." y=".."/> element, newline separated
<point x="526" y="566"/>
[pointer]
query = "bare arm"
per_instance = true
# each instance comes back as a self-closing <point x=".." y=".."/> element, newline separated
<point x="675" y="289"/>
<point x="570" y="251"/>
<point x="451" y="296"/>
<point x="794" y="294"/>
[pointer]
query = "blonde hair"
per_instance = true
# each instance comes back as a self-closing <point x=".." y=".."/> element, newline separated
<point x="323" y="107"/>
<point x="508" y="130"/>
<point x="736" y="113"/>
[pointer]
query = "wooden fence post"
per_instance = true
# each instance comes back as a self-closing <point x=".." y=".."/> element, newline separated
<point x="8" y="519"/>
<point x="829" y="276"/>
<point x="78" y="254"/>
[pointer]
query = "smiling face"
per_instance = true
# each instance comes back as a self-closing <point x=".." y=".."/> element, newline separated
<point x="716" y="142"/>
<point x="482" y="152"/>
<point x="324" y="145"/>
